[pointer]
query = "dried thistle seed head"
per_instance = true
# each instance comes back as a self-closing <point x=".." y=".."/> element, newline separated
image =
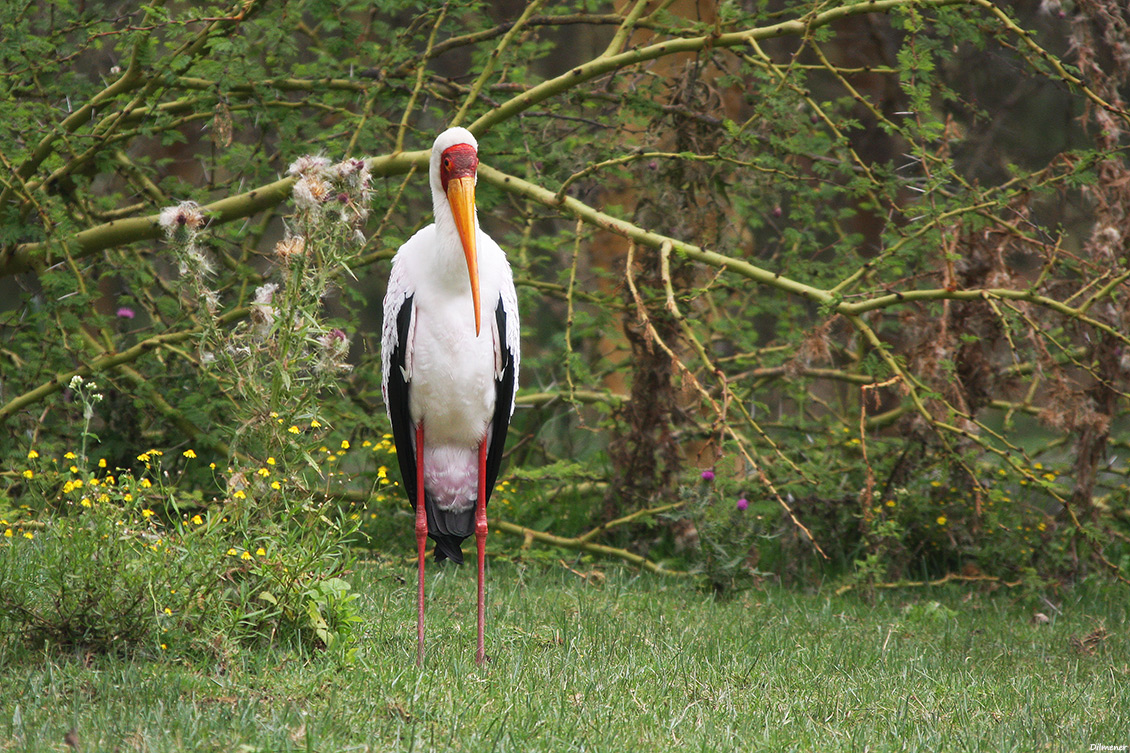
<point x="262" y="312"/>
<point x="262" y="317"/>
<point x="181" y="222"/>
<point x="309" y="165"/>
<point x="264" y="294"/>
<point x="210" y="299"/>
<point x="354" y="173"/>
<point x="290" y="247"/>
<point x="193" y="263"/>
<point x="309" y="192"/>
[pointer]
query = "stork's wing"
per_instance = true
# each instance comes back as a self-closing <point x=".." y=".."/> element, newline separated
<point x="505" y="379"/>
<point x="395" y="345"/>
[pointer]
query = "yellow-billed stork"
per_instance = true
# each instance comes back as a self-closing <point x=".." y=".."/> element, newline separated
<point x="449" y="374"/>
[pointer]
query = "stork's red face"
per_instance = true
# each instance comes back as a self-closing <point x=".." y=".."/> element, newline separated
<point x="459" y="161"/>
<point x="457" y="168"/>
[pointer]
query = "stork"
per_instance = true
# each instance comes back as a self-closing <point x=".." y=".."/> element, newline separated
<point x="449" y="374"/>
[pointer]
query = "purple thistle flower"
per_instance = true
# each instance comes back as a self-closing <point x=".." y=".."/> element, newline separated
<point x="743" y="503"/>
<point x="708" y="475"/>
<point x="125" y="313"/>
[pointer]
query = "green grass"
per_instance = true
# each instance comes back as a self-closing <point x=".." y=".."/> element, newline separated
<point x="633" y="663"/>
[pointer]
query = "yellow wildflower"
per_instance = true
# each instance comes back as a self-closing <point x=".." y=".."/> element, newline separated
<point x="264" y="472"/>
<point x="345" y="444"/>
<point x="261" y="552"/>
<point x="29" y="535"/>
<point x="29" y="473"/>
<point x="101" y="462"/>
<point x="32" y="454"/>
<point x="239" y="494"/>
<point x="190" y="454"/>
<point x="143" y="457"/>
<point x="276" y="485"/>
<point x="293" y="429"/>
<point x="70" y="456"/>
<point x="146" y="483"/>
<point x="941" y="520"/>
<point x="271" y="460"/>
<point x="197" y="520"/>
<point x="8" y="533"/>
<point x="85" y="502"/>
<point x="245" y="556"/>
<point x="147" y="513"/>
<point x="315" y="424"/>
<point x="232" y="552"/>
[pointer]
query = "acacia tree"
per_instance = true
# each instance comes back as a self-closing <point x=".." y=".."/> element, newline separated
<point x="864" y="263"/>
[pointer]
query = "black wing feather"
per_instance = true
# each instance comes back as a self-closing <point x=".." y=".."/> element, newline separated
<point x="397" y="396"/>
<point x="503" y="402"/>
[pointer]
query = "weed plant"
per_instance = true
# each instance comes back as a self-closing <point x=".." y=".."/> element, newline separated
<point x="137" y="558"/>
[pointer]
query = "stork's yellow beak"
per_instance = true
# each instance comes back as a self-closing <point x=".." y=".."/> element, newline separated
<point x="461" y="197"/>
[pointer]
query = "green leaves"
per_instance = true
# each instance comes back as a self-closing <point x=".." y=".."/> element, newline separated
<point x="817" y="198"/>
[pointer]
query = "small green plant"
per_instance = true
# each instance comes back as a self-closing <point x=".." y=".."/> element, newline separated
<point x="721" y="531"/>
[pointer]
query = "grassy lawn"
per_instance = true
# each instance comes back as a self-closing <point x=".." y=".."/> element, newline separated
<point x="626" y="663"/>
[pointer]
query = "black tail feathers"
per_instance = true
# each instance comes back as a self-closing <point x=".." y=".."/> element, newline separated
<point x="449" y="529"/>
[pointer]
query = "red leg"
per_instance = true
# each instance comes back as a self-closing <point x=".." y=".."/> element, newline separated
<point x="421" y="539"/>
<point x="481" y="545"/>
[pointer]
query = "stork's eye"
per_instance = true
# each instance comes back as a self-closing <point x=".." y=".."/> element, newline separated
<point x="447" y="163"/>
